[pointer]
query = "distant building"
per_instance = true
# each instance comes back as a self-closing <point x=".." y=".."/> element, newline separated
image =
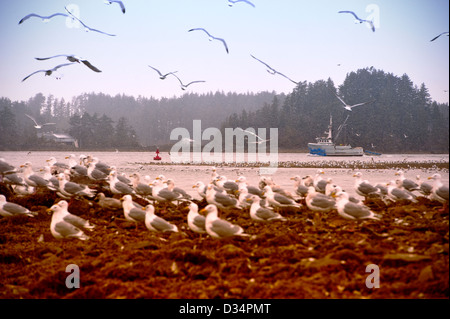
<point x="60" y="138"/>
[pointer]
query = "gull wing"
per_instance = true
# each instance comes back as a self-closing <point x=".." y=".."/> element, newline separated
<point x="90" y="66"/>
<point x="42" y="17"/>
<point x="32" y="74"/>
<point x="352" y="13"/>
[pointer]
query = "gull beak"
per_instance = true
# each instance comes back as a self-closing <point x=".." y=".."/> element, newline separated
<point x="203" y="211"/>
<point x="292" y="178"/>
<point x="193" y="186"/>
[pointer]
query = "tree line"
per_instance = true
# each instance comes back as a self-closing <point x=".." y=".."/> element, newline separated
<point x="401" y="118"/>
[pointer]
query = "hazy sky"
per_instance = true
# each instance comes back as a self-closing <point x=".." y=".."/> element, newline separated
<point x="306" y="40"/>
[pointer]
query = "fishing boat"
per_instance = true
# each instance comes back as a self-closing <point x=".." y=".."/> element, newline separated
<point x="325" y="145"/>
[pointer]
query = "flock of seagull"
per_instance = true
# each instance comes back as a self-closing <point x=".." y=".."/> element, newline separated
<point x="88" y="178"/>
<point x="73" y="59"/>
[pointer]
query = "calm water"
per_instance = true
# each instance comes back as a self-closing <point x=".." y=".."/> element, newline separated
<point x="187" y="175"/>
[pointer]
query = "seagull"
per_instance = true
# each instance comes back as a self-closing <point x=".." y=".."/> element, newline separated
<point x="118" y="187"/>
<point x="156" y="223"/>
<point x="109" y="203"/>
<point x="349" y="107"/>
<point x="131" y="212"/>
<point x="66" y="225"/>
<point x="359" y="20"/>
<point x="278" y="200"/>
<point x="220" y="228"/>
<point x="262" y="214"/>
<point x="86" y="27"/>
<point x="75" y="167"/>
<point x="69" y="189"/>
<point x="196" y="222"/>
<point x="260" y="140"/>
<point x="32" y="179"/>
<point x="232" y="2"/>
<point x="439" y="191"/>
<point x="300" y="188"/>
<point x="48" y="72"/>
<point x="396" y="194"/>
<point x="439" y="36"/>
<point x="141" y="189"/>
<point x="319" y="183"/>
<point x="273" y="71"/>
<point x="364" y="188"/>
<point x="8" y="209"/>
<point x="211" y="37"/>
<point x="44" y="18"/>
<point x="73" y="58"/>
<point x="424" y="187"/>
<point x="163" y="194"/>
<point x="36" y="125"/>
<point x="201" y="189"/>
<point x="350" y="210"/>
<point x="407" y="184"/>
<point x="122" y="6"/>
<point x="223" y="201"/>
<point x="162" y="76"/>
<point x="318" y="201"/>
<point x="184" y="86"/>
<point x="171" y="187"/>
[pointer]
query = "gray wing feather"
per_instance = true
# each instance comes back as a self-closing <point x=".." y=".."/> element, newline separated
<point x="224" y="228"/>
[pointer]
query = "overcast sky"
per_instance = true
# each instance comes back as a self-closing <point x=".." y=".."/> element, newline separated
<point x="305" y="40"/>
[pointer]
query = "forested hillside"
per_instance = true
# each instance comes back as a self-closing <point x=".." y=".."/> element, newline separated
<point x="400" y="118"/>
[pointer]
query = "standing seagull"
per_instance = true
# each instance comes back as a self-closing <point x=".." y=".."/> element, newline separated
<point x="73" y="58"/>
<point x="220" y="228"/>
<point x="44" y="18"/>
<point x="8" y="209"/>
<point x="66" y="225"/>
<point x="350" y="210"/>
<point x="262" y="214"/>
<point x="439" y="36"/>
<point x="85" y="26"/>
<point x="211" y="37"/>
<point x="184" y="86"/>
<point x="349" y="107"/>
<point x="359" y="20"/>
<point x="48" y="72"/>
<point x="273" y="71"/>
<point x="196" y="222"/>
<point x="36" y="124"/>
<point x="162" y="76"/>
<point x="156" y="223"/>
<point x="232" y="2"/>
<point x="122" y="6"/>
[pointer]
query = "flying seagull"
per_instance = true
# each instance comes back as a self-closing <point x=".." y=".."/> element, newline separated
<point x="44" y="18"/>
<point x="162" y="76"/>
<point x="120" y="3"/>
<point x="48" y="72"/>
<point x="86" y="27"/>
<point x="272" y="70"/>
<point x="349" y="107"/>
<point x="184" y="86"/>
<point x="232" y="2"/>
<point x="36" y="125"/>
<point x="211" y="37"/>
<point x="73" y="58"/>
<point x="439" y="36"/>
<point x="260" y="140"/>
<point x="359" y="20"/>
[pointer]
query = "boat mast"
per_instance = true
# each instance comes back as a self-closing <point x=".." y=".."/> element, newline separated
<point x="330" y="129"/>
<point x="342" y="126"/>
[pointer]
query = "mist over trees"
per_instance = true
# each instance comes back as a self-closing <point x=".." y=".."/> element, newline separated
<point x="402" y="117"/>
